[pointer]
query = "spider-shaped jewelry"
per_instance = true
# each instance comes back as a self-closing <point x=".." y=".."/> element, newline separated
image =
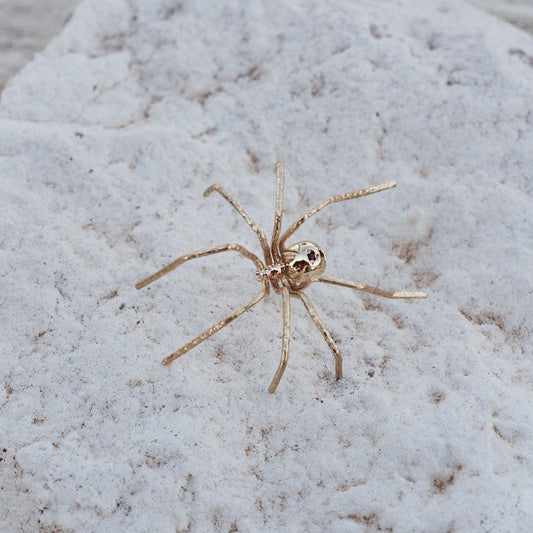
<point x="288" y="269"/>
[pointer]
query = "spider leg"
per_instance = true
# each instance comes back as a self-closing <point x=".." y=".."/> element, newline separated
<point x="219" y="325"/>
<point x="325" y="333"/>
<point x="285" y="342"/>
<point x="372" y="290"/>
<point x="331" y="200"/>
<point x="248" y="219"/>
<point x="200" y="253"/>
<point x="280" y="179"/>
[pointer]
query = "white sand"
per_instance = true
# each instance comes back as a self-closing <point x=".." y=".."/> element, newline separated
<point x="108" y="139"/>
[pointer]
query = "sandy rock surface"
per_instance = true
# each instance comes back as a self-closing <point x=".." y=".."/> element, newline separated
<point x="108" y="139"/>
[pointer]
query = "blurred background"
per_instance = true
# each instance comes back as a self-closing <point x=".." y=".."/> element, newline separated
<point x="26" y="26"/>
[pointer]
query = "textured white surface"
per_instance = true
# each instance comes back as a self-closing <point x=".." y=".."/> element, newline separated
<point x="107" y="141"/>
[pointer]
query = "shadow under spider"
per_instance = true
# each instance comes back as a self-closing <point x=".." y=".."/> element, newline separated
<point x="288" y="270"/>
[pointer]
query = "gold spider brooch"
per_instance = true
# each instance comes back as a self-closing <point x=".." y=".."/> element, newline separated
<point x="288" y="269"/>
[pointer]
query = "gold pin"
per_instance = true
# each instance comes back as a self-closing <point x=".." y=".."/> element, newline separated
<point x="288" y="270"/>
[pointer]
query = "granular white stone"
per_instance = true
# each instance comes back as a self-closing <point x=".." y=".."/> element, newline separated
<point x="108" y="139"/>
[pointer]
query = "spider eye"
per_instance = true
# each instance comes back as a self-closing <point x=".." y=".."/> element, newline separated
<point x="311" y="255"/>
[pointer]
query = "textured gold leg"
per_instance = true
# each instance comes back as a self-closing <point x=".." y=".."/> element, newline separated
<point x="199" y="253"/>
<point x="219" y="325"/>
<point x="244" y="214"/>
<point x="331" y="200"/>
<point x="325" y="333"/>
<point x="372" y="290"/>
<point x="280" y="181"/>
<point x="285" y="342"/>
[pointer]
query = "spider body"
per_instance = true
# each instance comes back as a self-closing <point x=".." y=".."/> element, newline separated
<point x="297" y="266"/>
<point x="288" y="270"/>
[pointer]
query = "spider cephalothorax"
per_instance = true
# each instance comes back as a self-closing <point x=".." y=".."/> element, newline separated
<point x="288" y="270"/>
